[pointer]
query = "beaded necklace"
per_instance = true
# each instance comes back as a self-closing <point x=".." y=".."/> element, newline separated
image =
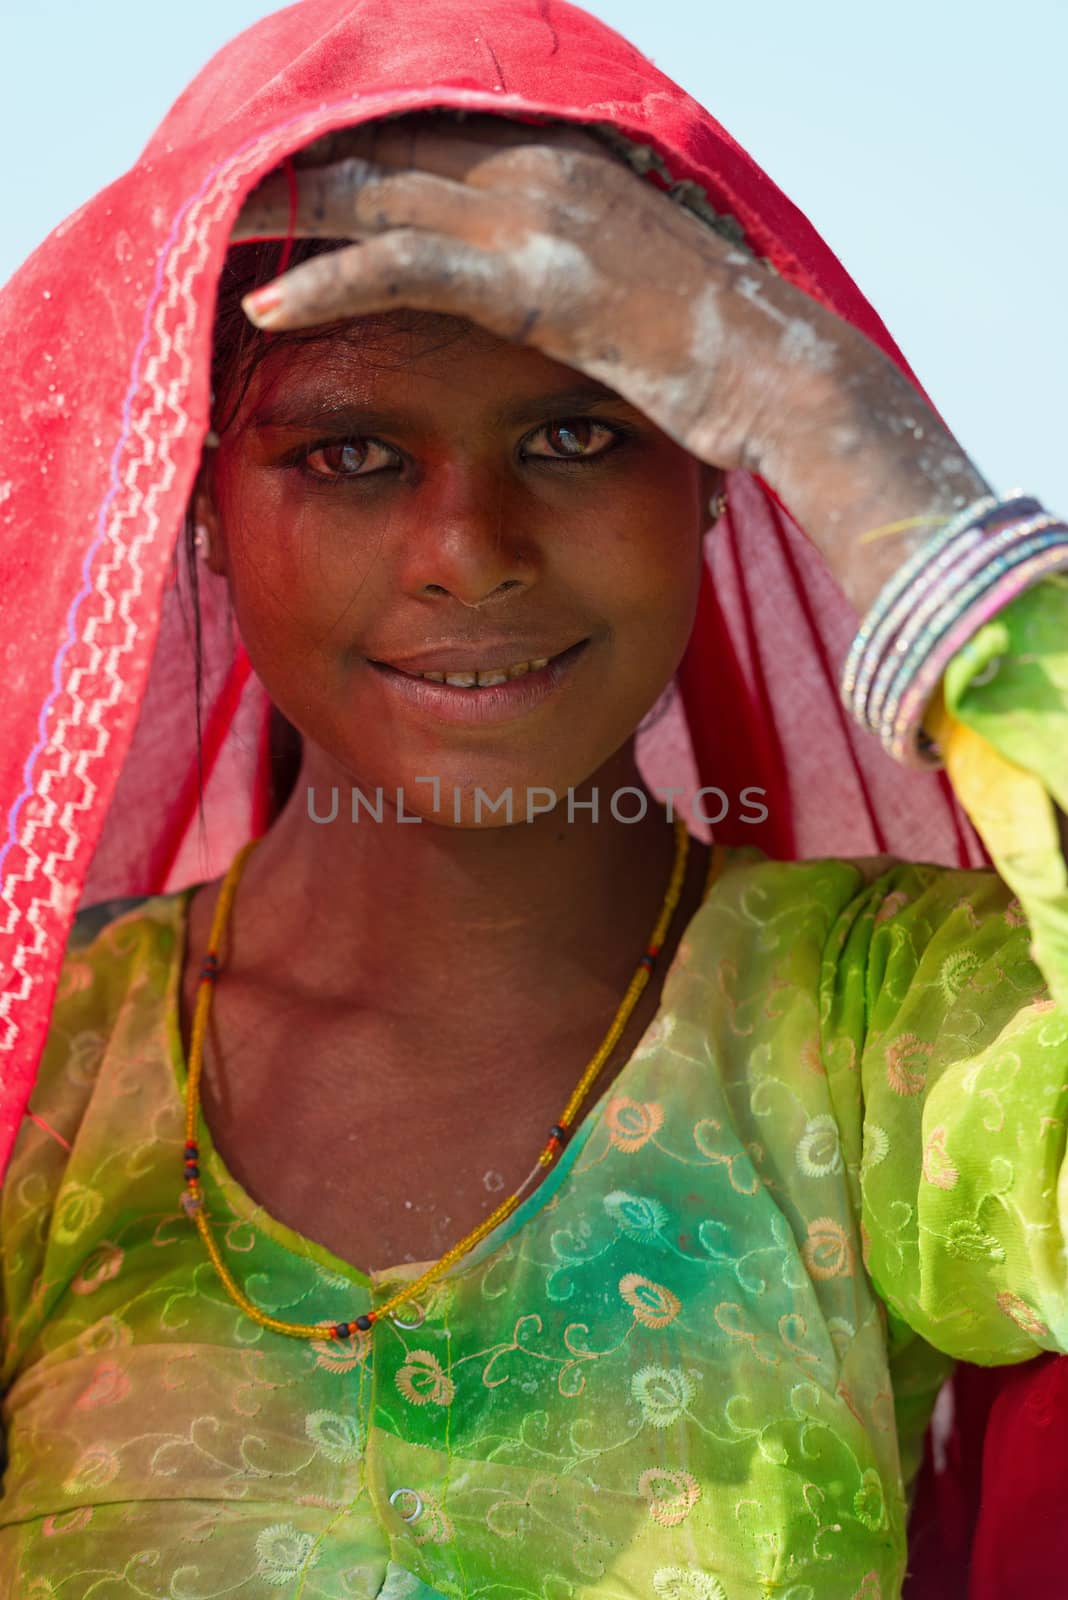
<point x="193" y="1197"/>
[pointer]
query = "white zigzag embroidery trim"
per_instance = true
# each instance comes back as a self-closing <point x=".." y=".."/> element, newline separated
<point x="118" y="580"/>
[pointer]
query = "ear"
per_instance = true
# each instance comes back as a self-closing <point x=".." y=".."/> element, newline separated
<point x="713" y="480"/>
<point x="206" y="515"/>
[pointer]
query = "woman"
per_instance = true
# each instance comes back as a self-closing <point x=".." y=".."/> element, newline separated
<point x="443" y="1200"/>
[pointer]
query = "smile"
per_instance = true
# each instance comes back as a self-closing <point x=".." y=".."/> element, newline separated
<point x="485" y="677"/>
<point x="496" y="694"/>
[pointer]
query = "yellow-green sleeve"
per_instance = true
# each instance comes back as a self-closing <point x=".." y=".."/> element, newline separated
<point x="1002" y="721"/>
<point x="934" y="1010"/>
<point x="945" y="1003"/>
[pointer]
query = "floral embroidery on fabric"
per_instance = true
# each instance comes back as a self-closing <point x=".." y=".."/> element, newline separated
<point x="283" y="1553"/>
<point x="876" y="1146"/>
<point x="99" y="1267"/>
<point x="965" y="1239"/>
<point x="339" y="1438"/>
<point x="643" y="1219"/>
<point x="422" y="1381"/>
<point x="663" y="1394"/>
<point x="819" y="1152"/>
<point x="868" y="1502"/>
<point x="669" y="1370"/>
<point x="671" y="1493"/>
<point x="1022" y="1314"/>
<point x="906" y="1064"/>
<point x="828" y="1251"/>
<point x="96" y="1468"/>
<point x="957" y="972"/>
<point x="686" y="1583"/>
<point x="652" y="1304"/>
<point x="937" y="1166"/>
<point x="110" y="1384"/>
<point x="333" y="1357"/>
<point x="78" y="1210"/>
<point x="632" y="1123"/>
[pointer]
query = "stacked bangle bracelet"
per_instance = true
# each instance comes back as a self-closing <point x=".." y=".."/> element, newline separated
<point x="958" y="579"/>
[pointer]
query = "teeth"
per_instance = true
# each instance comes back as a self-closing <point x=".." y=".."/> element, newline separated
<point x="471" y="680"/>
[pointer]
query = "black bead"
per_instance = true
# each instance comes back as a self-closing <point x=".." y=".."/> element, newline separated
<point x="342" y="1330"/>
<point x="559" y="1133"/>
<point x="192" y="1170"/>
<point x="363" y="1323"/>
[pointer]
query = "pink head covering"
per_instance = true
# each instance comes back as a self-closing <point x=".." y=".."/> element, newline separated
<point x="106" y="335"/>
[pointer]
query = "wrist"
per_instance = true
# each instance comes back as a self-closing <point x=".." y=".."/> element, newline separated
<point x="868" y="470"/>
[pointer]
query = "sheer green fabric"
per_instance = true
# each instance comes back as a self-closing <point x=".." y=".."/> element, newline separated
<point x="695" y="1365"/>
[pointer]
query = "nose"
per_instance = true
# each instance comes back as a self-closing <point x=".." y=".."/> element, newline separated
<point x="468" y="545"/>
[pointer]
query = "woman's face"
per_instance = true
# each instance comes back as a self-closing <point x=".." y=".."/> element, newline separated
<point x="416" y="495"/>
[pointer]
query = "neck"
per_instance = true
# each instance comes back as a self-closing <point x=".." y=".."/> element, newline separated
<point x="443" y="917"/>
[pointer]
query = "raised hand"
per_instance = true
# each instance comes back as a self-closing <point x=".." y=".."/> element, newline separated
<point x="542" y="235"/>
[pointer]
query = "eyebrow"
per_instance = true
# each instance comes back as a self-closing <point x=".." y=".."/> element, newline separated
<point x="342" y="415"/>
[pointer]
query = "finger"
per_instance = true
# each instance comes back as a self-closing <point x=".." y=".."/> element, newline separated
<point x="423" y="271"/>
<point x="356" y="199"/>
<point x="276" y="209"/>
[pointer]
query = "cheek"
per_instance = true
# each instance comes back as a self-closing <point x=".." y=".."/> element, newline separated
<point x="293" y="566"/>
<point x="651" y="566"/>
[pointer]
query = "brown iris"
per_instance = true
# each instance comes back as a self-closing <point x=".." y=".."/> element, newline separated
<point x="570" y="438"/>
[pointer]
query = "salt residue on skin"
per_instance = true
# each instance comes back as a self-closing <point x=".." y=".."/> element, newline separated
<point x="669" y="399"/>
<point x="557" y="263"/>
<point x="799" y="344"/>
<point x="673" y="399"/>
<point x="706" y="329"/>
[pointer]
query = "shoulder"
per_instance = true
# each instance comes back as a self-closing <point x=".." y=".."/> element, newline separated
<point x="113" y="939"/>
<point x="93" y="919"/>
<point x="103" y="1075"/>
<point x="117" y="973"/>
<point x="835" y="901"/>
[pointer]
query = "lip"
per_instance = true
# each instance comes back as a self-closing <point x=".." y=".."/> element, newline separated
<point x="499" y="702"/>
<point x="492" y="655"/>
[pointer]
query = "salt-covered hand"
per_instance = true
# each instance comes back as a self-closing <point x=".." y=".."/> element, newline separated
<point x="544" y="236"/>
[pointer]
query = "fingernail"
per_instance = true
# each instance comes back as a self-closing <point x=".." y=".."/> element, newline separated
<point x="262" y="302"/>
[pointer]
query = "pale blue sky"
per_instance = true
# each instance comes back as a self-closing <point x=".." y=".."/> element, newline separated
<point x="926" y="139"/>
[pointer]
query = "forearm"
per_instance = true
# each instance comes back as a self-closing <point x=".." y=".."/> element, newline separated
<point x="836" y="429"/>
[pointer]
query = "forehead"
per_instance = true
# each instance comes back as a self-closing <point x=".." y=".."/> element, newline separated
<point x="415" y="358"/>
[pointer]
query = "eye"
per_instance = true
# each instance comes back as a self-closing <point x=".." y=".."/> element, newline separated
<point x="346" y="458"/>
<point x="575" y="439"/>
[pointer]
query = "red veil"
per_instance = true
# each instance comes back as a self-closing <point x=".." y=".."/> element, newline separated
<point x="106" y="332"/>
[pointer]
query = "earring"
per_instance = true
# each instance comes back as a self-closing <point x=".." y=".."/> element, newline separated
<point x="202" y="541"/>
<point x="717" y="506"/>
